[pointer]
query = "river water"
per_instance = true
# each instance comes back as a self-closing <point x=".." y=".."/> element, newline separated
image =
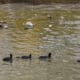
<point x="55" y="36"/>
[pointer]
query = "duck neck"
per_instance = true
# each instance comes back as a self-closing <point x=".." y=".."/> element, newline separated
<point x="11" y="60"/>
<point x="11" y="56"/>
<point x="30" y="56"/>
<point x="49" y="55"/>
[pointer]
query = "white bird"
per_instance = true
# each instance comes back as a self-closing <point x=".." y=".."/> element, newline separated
<point x="28" y="25"/>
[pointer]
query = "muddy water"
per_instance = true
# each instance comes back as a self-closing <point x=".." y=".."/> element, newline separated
<point x="63" y="40"/>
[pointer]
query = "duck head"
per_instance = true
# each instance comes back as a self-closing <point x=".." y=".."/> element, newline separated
<point x="30" y="56"/>
<point x="49" y="54"/>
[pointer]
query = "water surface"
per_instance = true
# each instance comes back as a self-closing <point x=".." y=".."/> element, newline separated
<point x="63" y="40"/>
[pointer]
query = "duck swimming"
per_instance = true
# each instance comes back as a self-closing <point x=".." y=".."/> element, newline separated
<point x="25" y="57"/>
<point x="8" y="59"/>
<point x="28" y="25"/>
<point x="78" y="60"/>
<point x="45" y="57"/>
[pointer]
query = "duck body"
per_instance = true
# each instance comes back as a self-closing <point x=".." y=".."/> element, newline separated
<point x="45" y="57"/>
<point x="1" y="26"/>
<point x="78" y="60"/>
<point x="8" y="59"/>
<point x="25" y="57"/>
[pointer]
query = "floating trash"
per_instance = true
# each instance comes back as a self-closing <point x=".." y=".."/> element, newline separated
<point x="50" y="25"/>
<point x="41" y="33"/>
<point x="49" y="17"/>
<point x="3" y="24"/>
<point x="47" y="29"/>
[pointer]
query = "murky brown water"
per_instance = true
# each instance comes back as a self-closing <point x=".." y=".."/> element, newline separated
<point x="63" y="40"/>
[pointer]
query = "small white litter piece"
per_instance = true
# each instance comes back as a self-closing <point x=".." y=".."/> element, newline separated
<point x="50" y="25"/>
<point x="3" y="24"/>
<point x="47" y="29"/>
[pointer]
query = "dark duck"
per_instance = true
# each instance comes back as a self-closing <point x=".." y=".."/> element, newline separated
<point x="78" y="60"/>
<point x="45" y="57"/>
<point x="25" y="57"/>
<point x="8" y="59"/>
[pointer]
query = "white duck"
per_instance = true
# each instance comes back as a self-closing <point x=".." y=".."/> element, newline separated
<point x="28" y="25"/>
